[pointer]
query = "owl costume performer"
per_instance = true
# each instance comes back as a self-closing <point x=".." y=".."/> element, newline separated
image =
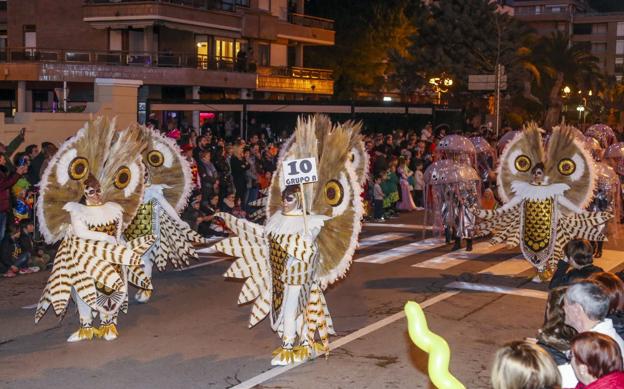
<point x="545" y="191"/>
<point x="168" y="183"/>
<point x="89" y="192"/>
<point x="288" y="265"/>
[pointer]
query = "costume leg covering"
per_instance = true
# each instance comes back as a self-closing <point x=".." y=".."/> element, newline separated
<point x="288" y="352"/>
<point x="143" y="295"/>
<point x="86" y="330"/>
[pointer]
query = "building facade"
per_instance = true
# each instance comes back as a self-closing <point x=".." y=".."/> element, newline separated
<point x="601" y="32"/>
<point x="180" y="49"/>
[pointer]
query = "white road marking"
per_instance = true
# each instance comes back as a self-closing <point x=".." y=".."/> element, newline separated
<point x="610" y="259"/>
<point x="381" y="238"/>
<point x="455" y="258"/>
<point x="31" y="306"/>
<point x="402" y="251"/>
<point x="400" y="225"/>
<point x="510" y="267"/>
<point x="274" y="372"/>
<point x="498" y="289"/>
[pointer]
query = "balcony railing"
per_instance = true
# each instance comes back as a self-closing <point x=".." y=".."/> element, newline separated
<point x="124" y="58"/>
<point x="296" y="72"/>
<point x="223" y="5"/>
<point x="310" y="21"/>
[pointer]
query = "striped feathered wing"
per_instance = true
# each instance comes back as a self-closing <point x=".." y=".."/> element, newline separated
<point x="252" y="263"/>
<point x="175" y="244"/>
<point x="504" y="225"/>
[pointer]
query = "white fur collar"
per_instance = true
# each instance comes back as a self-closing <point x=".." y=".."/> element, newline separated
<point x="95" y="215"/>
<point x="281" y="224"/>
<point x="538" y="192"/>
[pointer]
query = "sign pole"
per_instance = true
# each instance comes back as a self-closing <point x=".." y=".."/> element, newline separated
<point x="305" y="208"/>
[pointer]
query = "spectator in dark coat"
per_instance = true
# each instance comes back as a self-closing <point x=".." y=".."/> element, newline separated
<point x="579" y="254"/>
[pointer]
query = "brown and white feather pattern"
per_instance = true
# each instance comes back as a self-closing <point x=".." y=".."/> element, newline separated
<point x="251" y="251"/>
<point x="80" y="263"/>
<point x="175" y="244"/>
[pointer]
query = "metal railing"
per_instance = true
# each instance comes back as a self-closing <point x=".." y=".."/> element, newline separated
<point x="125" y="58"/>
<point x="157" y="59"/>
<point x="296" y="72"/>
<point x="222" y="5"/>
<point x="310" y="21"/>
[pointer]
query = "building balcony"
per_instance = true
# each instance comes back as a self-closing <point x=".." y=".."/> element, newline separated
<point x="531" y="14"/>
<point x="158" y="68"/>
<point x="194" y="15"/>
<point x="307" y="29"/>
<point x="295" y="80"/>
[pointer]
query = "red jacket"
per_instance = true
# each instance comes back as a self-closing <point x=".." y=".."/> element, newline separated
<point x="610" y="381"/>
<point x="7" y="180"/>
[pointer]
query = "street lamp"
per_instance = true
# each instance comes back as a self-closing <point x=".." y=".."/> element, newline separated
<point x="566" y="90"/>
<point x="581" y="110"/>
<point x="440" y="85"/>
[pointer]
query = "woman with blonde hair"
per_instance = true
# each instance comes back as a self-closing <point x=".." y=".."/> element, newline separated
<point x="523" y="365"/>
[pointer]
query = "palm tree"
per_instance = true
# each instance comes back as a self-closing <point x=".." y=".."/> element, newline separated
<point x="564" y="63"/>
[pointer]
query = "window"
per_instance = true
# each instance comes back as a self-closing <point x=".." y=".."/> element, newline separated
<point x="30" y="36"/>
<point x="619" y="47"/>
<point x="264" y="54"/>
<point x="226" y="49"/>
<point x="600" y="28"/>
<point x="555" y="9"/>
<point x="619" y="65"/>
<point x="115" y="40"/>
<point x="202" y="50"/>
<point x="620" y="29"/>
<point x="582" y="29"/>
<point x="598" y="47"/>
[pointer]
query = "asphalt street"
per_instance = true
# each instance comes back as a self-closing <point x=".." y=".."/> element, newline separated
<point x="192" y="334"/>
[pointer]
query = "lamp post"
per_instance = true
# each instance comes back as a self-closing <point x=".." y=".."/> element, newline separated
<point x="440" y="85"/>
<point x="581" y="110"/>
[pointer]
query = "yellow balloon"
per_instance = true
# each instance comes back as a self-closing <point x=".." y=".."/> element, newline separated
<point x="432" y="344"/>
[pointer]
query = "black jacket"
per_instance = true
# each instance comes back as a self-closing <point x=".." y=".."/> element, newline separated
<point x="564" y="277"/>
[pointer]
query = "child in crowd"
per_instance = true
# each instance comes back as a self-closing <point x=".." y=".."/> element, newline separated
<point x="38" y="257"/>
<point x="378" y="198"/>
<point x="419" y="186"/>
<point x="578" y="255"/>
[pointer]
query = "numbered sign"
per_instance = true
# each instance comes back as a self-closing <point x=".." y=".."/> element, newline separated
<point x="299" y="171"/>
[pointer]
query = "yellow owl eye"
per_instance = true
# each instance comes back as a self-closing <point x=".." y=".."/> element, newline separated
<point x="522" y="163"/>
<point x="334" y="193"/>
<point x="122" y="177"/>
<point x="566" y="166"/>
<point x="78" y="168"/>
<point x="155" y="158"/>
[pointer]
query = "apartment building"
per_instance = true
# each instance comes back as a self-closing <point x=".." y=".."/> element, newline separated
<point x="179" y="49"/>
<point x="601" y="32"/>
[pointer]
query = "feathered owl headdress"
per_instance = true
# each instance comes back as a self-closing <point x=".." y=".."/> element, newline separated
<point x="98" y="150"/>
<point x="342" y="164"/>
<point x="167" y="166"/>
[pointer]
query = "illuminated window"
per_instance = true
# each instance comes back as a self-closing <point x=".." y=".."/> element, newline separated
<point x="619" y="47"/>
<point x="620" y="29"/>
<point x="226" y="49"/>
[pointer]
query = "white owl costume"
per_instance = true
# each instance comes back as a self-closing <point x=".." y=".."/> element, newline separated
<point x="167" y="188"/>
<point x="91" y="265"/>
<point x="287" y="269"/>
<point x="545" y="193"/>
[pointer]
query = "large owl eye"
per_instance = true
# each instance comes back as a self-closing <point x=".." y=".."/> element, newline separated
<point x="334" y="193"/>
<point x="155" y="158"/>
<point x="122" y="177"/>
<point x="566" y="166"/>
<point x="522" y="163"/>
<point x="78" y="168"/>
